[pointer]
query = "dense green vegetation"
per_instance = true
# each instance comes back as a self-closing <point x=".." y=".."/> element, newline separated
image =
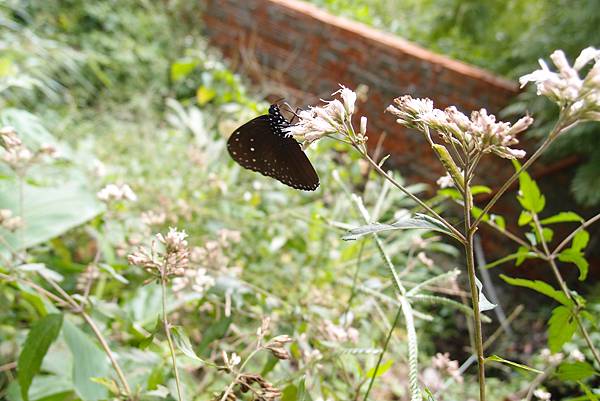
<point x="507" y="37"/>
<point x="125" y="112"/>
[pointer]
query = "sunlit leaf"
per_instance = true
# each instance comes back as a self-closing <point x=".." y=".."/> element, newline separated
<point x="562" y="217"/>
<point x="496" y="358"/>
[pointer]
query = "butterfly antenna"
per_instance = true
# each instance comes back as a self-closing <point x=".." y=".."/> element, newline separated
<point x="291" y="110"/>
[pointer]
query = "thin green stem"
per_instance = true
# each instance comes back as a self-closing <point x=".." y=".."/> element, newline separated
<point x="385" y="345"/>
<point x="469" y="253"/>
<point x="583" y="225"/>
<point x="163" y="282"/>
<point x="425" y="206"/>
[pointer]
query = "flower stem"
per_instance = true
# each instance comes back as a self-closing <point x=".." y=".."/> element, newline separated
<point x="372" y="162"/>
<point x="385" y="345"/>
<point x="469" y="253"/>
<point x="163" y="283"/>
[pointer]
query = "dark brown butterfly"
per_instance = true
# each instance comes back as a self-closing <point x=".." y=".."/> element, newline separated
<point x="264" y="145"/>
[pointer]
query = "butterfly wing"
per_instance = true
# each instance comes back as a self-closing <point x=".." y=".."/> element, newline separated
<point x="256" y="147"/>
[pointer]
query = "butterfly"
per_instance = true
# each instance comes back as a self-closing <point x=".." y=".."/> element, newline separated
<point x="264" y="145"/>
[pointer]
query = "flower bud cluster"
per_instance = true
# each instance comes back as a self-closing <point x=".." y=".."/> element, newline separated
<point x="10" y="222"/>
<point x="170" y="260"/>
<point x="334" y="118"/>
<point x="580" y="98"/>
<point x="17" y="155"/>
<point x="479" y="134"/>
<point x="113" y="192"/>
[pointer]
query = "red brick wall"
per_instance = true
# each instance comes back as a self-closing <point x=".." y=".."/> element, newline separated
<point x="312" y="51"/>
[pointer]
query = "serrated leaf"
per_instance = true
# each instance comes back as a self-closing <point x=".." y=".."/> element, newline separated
<point x="496" y="358"/>
<point x="88" y="362"/>
<point x="419" y="221"/>
<point x="40" y="337"/>
<point x="562" y="217"/>
<point x="541" y="287"/>
<point x="530" y="197"/>
<point x="561" y="328"/>
<point x="381" y="369"/>
<point x="575" y="371"/>
<point x="572" y="256"/>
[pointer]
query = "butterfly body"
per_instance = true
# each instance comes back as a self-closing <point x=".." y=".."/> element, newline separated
<point x="264" y="145"/>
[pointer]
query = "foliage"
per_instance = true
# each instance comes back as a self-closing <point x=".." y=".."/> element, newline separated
<point x="263" y="298"/>
<point x="507" y="37"/>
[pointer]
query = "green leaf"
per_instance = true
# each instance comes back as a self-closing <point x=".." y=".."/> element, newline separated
<point x="580" y="240"/>
<point x="290" y="393"/>
<point x="530" y="197"/>
<point x="562" y="217"/>
<point x="524" y="218"/>
<point x="44" y="387"/>
<point x="541" y="287"/>
<point x="384" y="367"/>
<point x="182" y="342"/>
<point x="548" y="234"/>
<point x="215" y="331"/>
<point x="205" y="94"/>
<point x="419" y="221"/>
<point x="40" y="337"/>
<point x="480" y="189"/>
<point x="49" y="211"/>
<point x="520" y="255"/>
<point x="561" y="328"/>
<point x="499" y="220"/>
<point x="572" y="256"/>
<point x="88" y="362"/>
<point x="575" y="371"/>
<point x="496" y="358"/>
<point x="182" y="68"/>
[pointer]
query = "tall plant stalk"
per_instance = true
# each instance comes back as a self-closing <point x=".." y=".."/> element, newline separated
<point x="163" y="285"/>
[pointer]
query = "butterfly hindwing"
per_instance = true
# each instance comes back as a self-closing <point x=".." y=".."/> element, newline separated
<point x="261" y="145"/>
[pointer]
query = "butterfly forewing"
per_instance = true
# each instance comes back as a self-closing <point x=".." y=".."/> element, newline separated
<point x="261" y="145"/>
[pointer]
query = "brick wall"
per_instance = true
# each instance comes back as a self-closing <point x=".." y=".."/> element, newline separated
<point x="311" y="51"/>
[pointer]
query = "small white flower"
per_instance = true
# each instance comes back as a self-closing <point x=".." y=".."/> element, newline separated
<point x="363" y="125"/>
<point x="349" y="98"/>
<point x="112" y="192"/>
<point x="542" y="394"/>
<point x="576" y="355"/>
<point x="565" y="87"/>
<point x="445" y="181"/>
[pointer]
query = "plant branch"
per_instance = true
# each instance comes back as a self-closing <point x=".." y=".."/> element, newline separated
<point x="583" y="225"/>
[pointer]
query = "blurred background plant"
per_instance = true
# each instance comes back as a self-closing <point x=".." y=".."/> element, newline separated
<point x="138" y="108"/>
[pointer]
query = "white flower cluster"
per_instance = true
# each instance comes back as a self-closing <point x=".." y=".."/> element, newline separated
<point x="333" y="118"/>
<point x="10" y="222"/>
<point x="113" y="192"/>
<point x="442" y="362"/>
<point x="17" y="155"/>
<point x="479" y="134"/>
<point x="170" y="261"/>
<point x="340" y="334"/>
<point x="581" y="97"/>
